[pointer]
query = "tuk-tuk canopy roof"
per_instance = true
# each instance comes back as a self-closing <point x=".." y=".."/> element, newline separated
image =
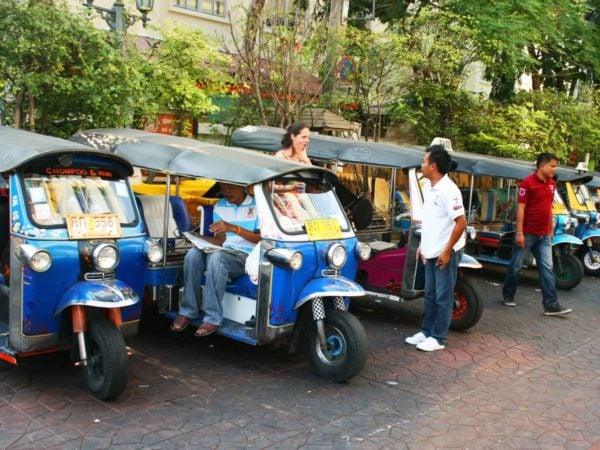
<point x="18" y="147"/>
<point x="484" y="165"/>
<point x="189" y="157"/>
<point x="595" y="181"/>
<point x="331" y="149"/>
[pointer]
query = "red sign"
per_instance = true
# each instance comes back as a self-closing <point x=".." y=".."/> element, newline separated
<point x="165" y="124"/>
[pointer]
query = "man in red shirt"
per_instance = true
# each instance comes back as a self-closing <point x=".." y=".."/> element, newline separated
<point x="534" y="233"/>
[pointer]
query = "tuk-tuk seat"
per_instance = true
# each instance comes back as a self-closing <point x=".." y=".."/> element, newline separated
<point x="153" y="209"/>
<point x="489" y="204"/>
<point x="181" y="214"/>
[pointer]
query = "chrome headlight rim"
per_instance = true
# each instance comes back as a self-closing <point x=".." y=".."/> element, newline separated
<point x="285" y="258"/>
<point x="336" y="256"/>
<point x="105" y="257"/>
<point x="37" y="259"/>
<point x="153" y="250"/>
<point x="362" y="251"/>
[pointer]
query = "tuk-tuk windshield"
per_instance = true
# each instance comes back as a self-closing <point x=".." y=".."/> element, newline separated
<point x="51" y="198"/>
<point x="295" y="201"/>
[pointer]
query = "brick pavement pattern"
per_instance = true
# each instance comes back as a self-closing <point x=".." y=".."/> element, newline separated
<point x="518" y="380"/>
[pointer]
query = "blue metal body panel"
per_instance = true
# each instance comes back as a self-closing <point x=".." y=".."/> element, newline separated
<point x="161" y="276"/>
<point x="585" y="231"/>
<point x="292" y="286"/>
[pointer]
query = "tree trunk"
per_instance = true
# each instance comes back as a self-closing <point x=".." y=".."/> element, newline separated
<point x="253" y="23"/>
<point x="18" y="113"/>
<point x="32" y="113"/>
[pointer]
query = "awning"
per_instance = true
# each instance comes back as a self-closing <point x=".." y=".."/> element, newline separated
<point x="323" y="119"/>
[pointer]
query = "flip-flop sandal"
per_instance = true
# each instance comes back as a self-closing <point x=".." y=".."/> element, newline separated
<point x="206" y="329"/>
<point x="180" y="323"/>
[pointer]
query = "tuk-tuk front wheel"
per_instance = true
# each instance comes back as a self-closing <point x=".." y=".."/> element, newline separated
<point x="590" y="258"/>
<point x="468" y="306"/>
<point x="568" y="271"/>
<point x="346" y="351"/>
<point x="106" y="371"/>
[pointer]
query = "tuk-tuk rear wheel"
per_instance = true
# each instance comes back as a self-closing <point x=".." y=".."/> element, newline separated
<point x="106" y="371"/>
<point x="468" y="306"/>
<point x="346" y="351"/>
<point x="569" y="273"/>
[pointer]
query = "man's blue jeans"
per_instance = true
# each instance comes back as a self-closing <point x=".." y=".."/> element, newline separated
<point x="439" y="296"/>
<point x="541" y="248"/>
<point x="219" y="267"/>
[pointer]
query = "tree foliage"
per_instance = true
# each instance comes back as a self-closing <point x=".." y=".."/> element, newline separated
<point x="184" y="69"/>
<point x="280" y="55"/>
<point x="60" y="74"/>
<point x="379" y="74"/>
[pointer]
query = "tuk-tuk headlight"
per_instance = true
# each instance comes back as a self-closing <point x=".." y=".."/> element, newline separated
<point x="285" y="257"/>
<point x="362" y="251"/>
<point x="336" y="256"/>
<point x="39" y="260"/>
<point x="105" y="257"/>
<point x="153" y="250"/>
<point x="566" y="223"/>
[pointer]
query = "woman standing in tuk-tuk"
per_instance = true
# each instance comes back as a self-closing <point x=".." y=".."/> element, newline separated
<point x="295" y="143"/>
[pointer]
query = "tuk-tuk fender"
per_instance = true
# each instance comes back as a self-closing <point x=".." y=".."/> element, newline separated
<point x="566" y="239"/>
<point x="99" y="294"/>
<point x="590" y="233"/>
<point x="329" y="287"/>
<point x="469" y="262"/>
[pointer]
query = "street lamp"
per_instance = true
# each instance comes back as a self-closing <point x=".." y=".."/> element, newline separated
<point x="117" y="18"/>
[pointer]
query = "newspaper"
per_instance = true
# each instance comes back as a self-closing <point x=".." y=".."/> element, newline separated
<point x="209" y="247"/>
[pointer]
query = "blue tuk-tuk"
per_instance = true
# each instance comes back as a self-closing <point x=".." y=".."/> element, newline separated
<point x="71" y="248"/>
<point x="299" y="287"/>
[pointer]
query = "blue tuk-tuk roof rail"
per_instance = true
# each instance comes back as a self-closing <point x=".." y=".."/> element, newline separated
<point x="189" y="157"/>
<point x="19" y="147"/>
<point x="331" y="148"/>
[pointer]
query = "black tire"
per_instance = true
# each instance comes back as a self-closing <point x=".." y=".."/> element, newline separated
<point x="468" y="306"/>
<point x="591" y="264"/>
<point x="347" y="346"/>
<point x="571" y="273"/>
<point x="107" y="370"/>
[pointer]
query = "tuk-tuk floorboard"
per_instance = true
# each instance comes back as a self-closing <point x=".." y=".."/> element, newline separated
<point x="518" y="379"/>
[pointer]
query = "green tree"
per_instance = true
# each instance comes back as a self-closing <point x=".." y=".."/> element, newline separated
<point x="280" y="56"/>
<point x="184" y="70"/>
<point x="380" y="73"/>
<point x="59" y="74"/>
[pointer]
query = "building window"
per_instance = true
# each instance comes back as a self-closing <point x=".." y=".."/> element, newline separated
<point x="212" y="7"/>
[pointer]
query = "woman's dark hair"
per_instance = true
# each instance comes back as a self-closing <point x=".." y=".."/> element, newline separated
<point x="293" y="129"/>
<point x="439" y="156"/>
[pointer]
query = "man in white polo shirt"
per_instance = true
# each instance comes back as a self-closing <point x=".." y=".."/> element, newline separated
<point x="442" y="242"/>
<point x="235" y="227"/>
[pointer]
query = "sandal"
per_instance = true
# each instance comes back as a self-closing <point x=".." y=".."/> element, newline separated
<point x="205" y="329"/>
<point x="180" y="323"/>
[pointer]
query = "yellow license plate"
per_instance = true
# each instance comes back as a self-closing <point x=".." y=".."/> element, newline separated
<point x="90" y="226"/>
<point x="323" y="229"/>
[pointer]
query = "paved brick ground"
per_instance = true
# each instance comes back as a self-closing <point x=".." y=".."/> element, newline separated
<point x="519" y="379"/>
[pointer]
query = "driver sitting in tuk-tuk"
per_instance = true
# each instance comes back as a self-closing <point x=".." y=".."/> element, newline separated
<point x="235" y="228"/>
